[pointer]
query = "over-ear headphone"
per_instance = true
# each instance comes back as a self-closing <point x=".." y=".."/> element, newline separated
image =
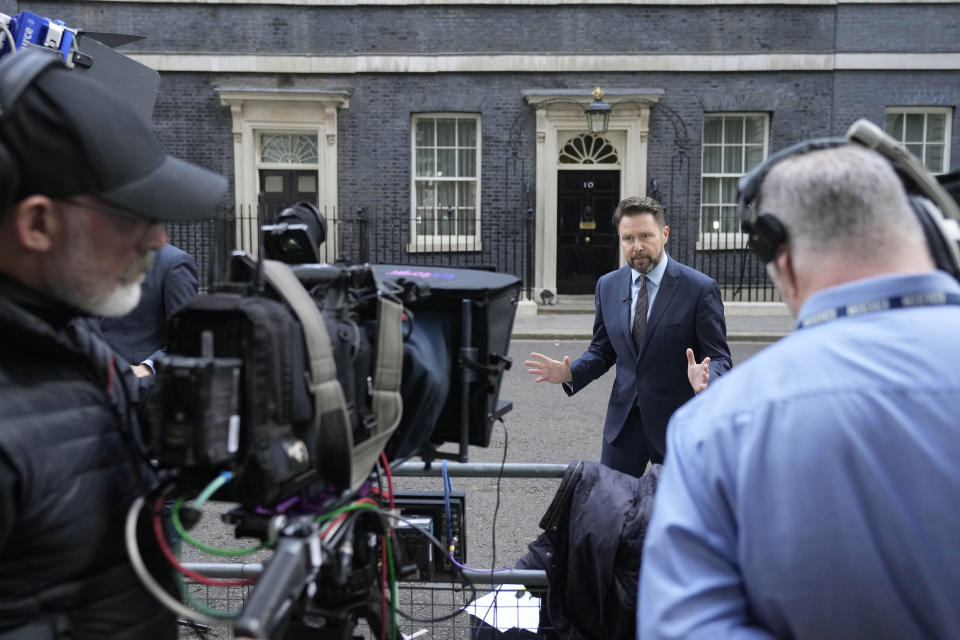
<point x="17" y="72"/>
<point x="765" y="232"/>
<point x="936" y="211"/>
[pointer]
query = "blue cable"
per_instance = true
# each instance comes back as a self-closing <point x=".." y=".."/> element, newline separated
<point x="447" y="490"/>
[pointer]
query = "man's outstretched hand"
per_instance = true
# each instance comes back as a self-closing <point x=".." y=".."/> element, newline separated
<point x="698" y="374"/>
<point x="547" y="369"/>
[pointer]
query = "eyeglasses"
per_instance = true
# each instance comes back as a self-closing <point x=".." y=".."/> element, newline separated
<point x="128" y="217"/>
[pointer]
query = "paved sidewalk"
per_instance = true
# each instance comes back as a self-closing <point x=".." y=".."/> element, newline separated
<point x="746" y="322"/>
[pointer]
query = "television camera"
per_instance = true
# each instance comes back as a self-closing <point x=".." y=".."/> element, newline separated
<point x="84" y="51"/>
<point x="292" y="386"/>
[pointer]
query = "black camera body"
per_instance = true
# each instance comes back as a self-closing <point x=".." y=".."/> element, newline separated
<point x="296" y="384"/>
<point x="235" y="390"/>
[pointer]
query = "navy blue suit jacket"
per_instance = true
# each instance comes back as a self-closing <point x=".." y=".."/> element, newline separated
<point x="687" y="312"/>
<point x="142" y="334"/>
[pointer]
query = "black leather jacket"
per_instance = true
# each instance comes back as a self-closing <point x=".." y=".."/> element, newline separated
<point x="68" y="473"/>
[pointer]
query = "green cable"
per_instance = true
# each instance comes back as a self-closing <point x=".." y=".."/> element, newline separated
<point x="393" y="589"/>
<point x="343" y="509"/>
<point x="210" y="489"/>
<point x="175" y="519"/>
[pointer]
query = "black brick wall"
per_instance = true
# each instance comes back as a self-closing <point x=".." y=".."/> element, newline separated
<point x="449" y="29"/>
<point x="374" y="133"/>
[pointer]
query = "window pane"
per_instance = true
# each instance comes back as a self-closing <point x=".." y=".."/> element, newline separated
<point x="711" y="190"/>
<point x="936" y="127"/>
<point x="733" y="130"/>
<point x="425" y="222"/>
<point x="426" y="194"/>
<point x="446" y="222"/>
<point x="709" y="219"/>
<point x="712" y="130"/>
<point x="728" y="192"/>
<point x="934" y="160"/>
<point x="468" y="163"/>
<point x="732" y="160"/>
<point x="914" y="131"/>
<point x="424" y="135"/>
<point x="754" y="157"/>
<point x="446" y="196"/>
<point x="273" y="184"/>
<point x="467" y="222"/>
<point x="728" y="220"/>
<point x="307" y="184"/>
<point x="755" y="130"/>
<point x="467" y="218"/>
<point x="446" y="132"/>
<point x="468" y="133"/>
<point x="916" y="149"/>
<point x="447" y="162"/>
<point x="711" y="159"/>
<point x="467" y="194"/>
<point x="446" y="207"/>
<point x="425" y="163"/>
<point x="893" y="124"/>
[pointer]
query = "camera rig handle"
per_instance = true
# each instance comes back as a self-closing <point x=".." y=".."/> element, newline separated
<point x="291" y="572"/>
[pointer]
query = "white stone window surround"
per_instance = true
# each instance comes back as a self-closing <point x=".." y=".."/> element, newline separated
<point x="926" y="111"/>
<point x="436" y="242"/>
<point x="720" y="240"/>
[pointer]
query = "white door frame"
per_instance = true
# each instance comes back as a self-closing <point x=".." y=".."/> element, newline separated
<point x="255" y="110"/>
<point x="558" y="113"/>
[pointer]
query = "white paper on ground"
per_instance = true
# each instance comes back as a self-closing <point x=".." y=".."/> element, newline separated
<point x="509" y="606"/>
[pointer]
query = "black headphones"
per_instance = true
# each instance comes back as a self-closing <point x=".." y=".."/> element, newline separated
<point x="17" y="73"/>
<point x="936" y="211"/>
<point x="765" y="232"/>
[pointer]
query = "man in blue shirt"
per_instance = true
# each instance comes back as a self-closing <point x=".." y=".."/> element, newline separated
<point x="813" y="492"/>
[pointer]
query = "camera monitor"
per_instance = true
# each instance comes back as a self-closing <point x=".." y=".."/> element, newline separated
<point x="468" y="314"/>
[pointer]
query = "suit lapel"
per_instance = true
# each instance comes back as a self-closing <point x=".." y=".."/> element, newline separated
<point x="668" y="287"/>
<point x="625" y="292"/>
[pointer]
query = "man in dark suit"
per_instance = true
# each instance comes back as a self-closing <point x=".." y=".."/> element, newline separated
<point x="141" y="335"/>
<point x="661" y="323"/>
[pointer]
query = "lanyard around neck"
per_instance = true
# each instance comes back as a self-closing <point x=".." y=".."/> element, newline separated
<point x="924" y="299"/>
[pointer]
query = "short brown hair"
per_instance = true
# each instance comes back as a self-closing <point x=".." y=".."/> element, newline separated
<point x="635" y="205"/>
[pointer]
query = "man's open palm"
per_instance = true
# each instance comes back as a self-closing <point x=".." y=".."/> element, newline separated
<point x="547" y="369"/>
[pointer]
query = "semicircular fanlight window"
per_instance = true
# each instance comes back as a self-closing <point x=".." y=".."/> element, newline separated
<point x="288" y="148"/>
<point x="587" y="148"/>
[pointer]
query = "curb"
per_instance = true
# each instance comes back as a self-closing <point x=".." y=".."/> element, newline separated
<point x="731" y="337"/>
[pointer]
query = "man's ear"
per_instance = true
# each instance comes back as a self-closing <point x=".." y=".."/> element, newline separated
<point x="666" y="233"/>
<point x="785" y="270"/>
<point x="35" y="223"/>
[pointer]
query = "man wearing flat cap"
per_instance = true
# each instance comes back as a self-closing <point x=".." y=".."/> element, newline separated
<point x="84" y="194"/>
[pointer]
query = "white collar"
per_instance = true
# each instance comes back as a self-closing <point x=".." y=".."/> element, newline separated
<point x="654" y="276"/>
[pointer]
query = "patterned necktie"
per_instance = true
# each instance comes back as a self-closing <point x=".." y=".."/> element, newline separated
<point x="640" y="314"/>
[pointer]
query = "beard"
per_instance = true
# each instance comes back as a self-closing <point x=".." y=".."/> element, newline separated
<point x="78" y="277"/>
<point x="645" y="263"/>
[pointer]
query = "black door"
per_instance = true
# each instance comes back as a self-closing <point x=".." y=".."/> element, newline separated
<point x="587" y="245"/>
<point x="281" y="188"/>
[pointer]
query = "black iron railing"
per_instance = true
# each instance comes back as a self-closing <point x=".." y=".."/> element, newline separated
<point x="500" y="242"/>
